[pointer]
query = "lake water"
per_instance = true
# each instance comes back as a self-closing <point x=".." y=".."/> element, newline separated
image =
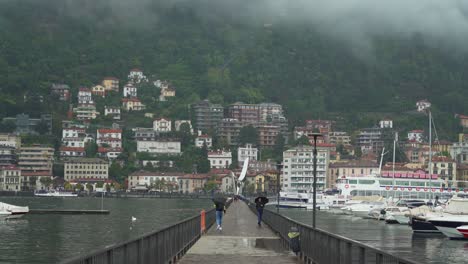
<point x="397" y="239"/>
<point x="53" y="238"/>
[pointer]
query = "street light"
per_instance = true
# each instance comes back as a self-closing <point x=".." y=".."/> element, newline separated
<point x="279" y="166"/>
<point x="315" y="135"/>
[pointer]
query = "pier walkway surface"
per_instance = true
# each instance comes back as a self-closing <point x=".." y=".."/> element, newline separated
<point x="240" y="241"/>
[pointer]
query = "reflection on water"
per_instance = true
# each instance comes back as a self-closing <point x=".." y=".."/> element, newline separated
<point x="397" y="239"/>
<point x="51" y="238"/>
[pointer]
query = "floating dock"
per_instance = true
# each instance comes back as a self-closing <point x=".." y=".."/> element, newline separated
<point x="68" y="211"/>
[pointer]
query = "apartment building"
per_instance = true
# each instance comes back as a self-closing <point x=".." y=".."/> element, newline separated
<point x="36" y="158"/>
<point x="350" y="168"/>
<point x="203" y="140"/>
<point x="247" y="152"/>
<point x="61" y="90"/>
<point x="86" y="168"/>
<point x="10" y="178"/>
<point x="298" y="168"/>
<point x="229" y="130"/>
<point x="10" y="140"/>
<point x="171" y="147"/>
<point x="207" y="115"/>
<point x="220" y="159"/>
<point x="162" y="125"/>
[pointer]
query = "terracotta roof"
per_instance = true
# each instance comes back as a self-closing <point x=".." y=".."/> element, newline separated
<point x="11" y="167"/>
<point x="195" y="176"/>
<point x="442" y="159"/>
<point x="79" y="149"/>
<point x="105" y="150"/>
<point x="462" y="116"/>
<point x="109" y="130"/>
<point x="84" y="89"/>
<point x="36" y="173"/>
<point x="131" y="100"/>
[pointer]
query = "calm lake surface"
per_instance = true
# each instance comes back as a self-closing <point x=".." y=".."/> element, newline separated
<point x="53" y="238"/>
<point x="397" y="239"/>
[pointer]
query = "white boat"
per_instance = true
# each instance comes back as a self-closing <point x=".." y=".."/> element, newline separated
<point x="301" y="200"/>
<point x="13" y="211"/>
<point x="449" y="224"/>
<point x="54" y="193"/>
<point x="363" y="209"/>
<point x="4" y="214"/>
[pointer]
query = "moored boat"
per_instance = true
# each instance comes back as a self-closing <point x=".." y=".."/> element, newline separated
<point x="54" y="193"/>
<point x="13" y="211"/>
<point x="463" y="230"/>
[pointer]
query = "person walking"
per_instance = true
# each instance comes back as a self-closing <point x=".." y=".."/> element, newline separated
<point x="220" y="210"/>
<point x="260" y="204"/>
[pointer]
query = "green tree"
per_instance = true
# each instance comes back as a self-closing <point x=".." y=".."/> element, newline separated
<point x="302" y="141"/>
<point x="42" y="128"/>
<point x="211" y="185"/>
<point x="79" y="187"/>
<point x="279" y="147"/>
<point x="7" y="126"/>
<point x="248" y="134"/>
<point x="89" y="187"/>
<point x="91" y="149"/>
<point x="46" y="181"/>
<point x="67" y="186"/>
<point x="185" y="136"/>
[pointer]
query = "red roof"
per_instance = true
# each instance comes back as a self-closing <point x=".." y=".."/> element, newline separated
<point x="131" y="100"/>
<point x="417" y="131"/>
<point x="105" y="150"/>
<point x="36" y="173"/>
<point x="84" y="89"/>
<point x="135" y="70"/>
<point x="11" y="167"/>
<point x="76" y="149"/>
<point x="109" y="130"/>
<point x="195" y="176"/>
<point x="442" y="159"/>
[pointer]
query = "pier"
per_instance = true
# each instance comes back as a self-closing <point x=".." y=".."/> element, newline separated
<point x="196" y="240"/>
<point x="67" y="211"/>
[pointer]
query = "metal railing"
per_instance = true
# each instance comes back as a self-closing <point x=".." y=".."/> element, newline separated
<point x="163" y="246"/>
<point x="322" y="247"/>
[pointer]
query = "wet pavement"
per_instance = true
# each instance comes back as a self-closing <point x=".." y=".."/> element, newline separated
<point x="240" y="241"/>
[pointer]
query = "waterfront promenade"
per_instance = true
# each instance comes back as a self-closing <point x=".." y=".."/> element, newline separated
<point x="240" y="241"/>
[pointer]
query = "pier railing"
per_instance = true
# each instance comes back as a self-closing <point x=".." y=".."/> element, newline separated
<point x="163" y="246"/>
<point x="322" y="247"/>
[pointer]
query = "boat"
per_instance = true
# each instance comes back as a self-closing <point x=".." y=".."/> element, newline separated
<point x="13" y="211"/>
<point x="448" y="224"/>
<point x="301" y="200"/>
<point x="395" y="215"/>
<point x="54" y="193"/>
<point x="363" y="209"/>
<point x="4" y="214"/>
<point x="463" y="230"/>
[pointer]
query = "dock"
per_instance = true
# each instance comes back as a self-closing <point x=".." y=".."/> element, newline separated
<point x="240" y="241"/>
<point x="68" y="211"/>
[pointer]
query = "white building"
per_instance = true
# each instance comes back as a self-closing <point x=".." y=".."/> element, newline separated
<point x="220" y="159"/>
<point x="10" y="178"/>
<point x="416" y="135"/>
<point x="132" y="104"/>
<point x="247" y="152"/>
<point x="130" y="90"/>
<point x="78" y="142"/>
<point x="159" y="146"/>
<point x="85" y="96"/>
<point x="136" y="76"/>
<point x="298" y="168"/>
<point x="459" y="152"/>
<point x="146" y="179"/>
<point x="72" y="151"/>
<point x="111" y="138"/>
<point x="10" y="140"/>
<point x="112" y="111"/>
<point x="178" y="123"/>
<point x="73" y="132"/>
<point x="422" y="105"/>
<point x="204" y="140"/>
<point x="162" y="125"/>
<point x="386" y="123"/>
<point x="109" y="153"/>
<point x="85" y="112"/>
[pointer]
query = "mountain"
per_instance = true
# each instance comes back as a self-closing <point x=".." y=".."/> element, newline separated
<point x="227" y="54"/>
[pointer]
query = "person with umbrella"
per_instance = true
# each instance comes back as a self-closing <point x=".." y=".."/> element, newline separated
<point x="220" y="205"/>
<point x="260" y="204"/>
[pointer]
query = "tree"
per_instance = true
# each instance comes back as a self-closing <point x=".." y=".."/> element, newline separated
<point x="42" y="128"/>
<point x="279" y="147"/>
<point x="210" y="185"/>
<point x="250" y="188"/>
<point x="185" y="135"/>
<point x="79" y="187"/>
<point x="67" y="186"/>
<point x="248" y="134"/>
<point x="46" y="181"/>
<point x="89" y="187"/>
<point x="203" y="164"/>
<point x="91" y="149"/>
<point x="302" y="141"/>
<point x="99" y="184"/>
<point x="7" y="126"/>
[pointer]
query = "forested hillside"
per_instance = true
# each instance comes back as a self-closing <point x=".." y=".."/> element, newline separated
<point x="224" y="54"/>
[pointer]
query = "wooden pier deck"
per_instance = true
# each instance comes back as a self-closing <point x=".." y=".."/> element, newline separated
<point x="240" y="241"/>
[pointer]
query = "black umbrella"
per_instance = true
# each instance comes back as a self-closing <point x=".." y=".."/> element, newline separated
<point x="219" y="199"/>
<point x="261" y="199"/>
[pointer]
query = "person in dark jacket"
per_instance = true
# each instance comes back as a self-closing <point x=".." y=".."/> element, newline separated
<point x="220" y="210"/>
<point x="260" y="204"/>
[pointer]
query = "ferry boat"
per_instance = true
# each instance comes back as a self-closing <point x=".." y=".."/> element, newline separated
<point x="54" y="193"/>
<point x="403" y="185"/>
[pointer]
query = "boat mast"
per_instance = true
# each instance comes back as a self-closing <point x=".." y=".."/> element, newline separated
<point x="393" y="165"/>
<point x="430" y="153"/>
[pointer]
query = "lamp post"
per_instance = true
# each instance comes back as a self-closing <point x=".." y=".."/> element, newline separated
<point x="279" y="166"/>
<point x="314" y="159"/>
